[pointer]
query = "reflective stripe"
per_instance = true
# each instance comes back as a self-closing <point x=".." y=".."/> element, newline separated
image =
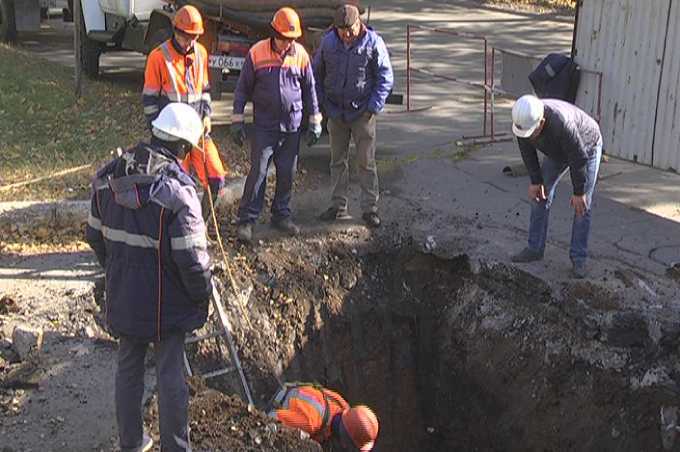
<point x="185" y="98"/>
<point x="101" y="183"/>
<point x="138" y="240"/>
<point x="93" y="222"/>
<point x="296" y="394"/>
<point x="181" y="443"/>
<point x="151" y="92"/>
<point x="151" y="109"/>
<point x="170" y="68"/>
<point x="198" y="77"/>
<point x="186" y="242"/>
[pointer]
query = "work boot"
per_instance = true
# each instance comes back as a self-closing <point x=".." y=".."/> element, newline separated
<point x="244" y="232"/>
<point x="579" y="270"/>
<point x="333" y="214"/>
<point x="286" y="225"/>
<point x="527" y="255"/>
<point x="372" y="219"/>
<point x="147" y="443"/>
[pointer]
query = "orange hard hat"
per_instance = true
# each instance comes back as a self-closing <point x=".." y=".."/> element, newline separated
<point x="189" y="20"/>
<point x="286" y="22"/>
<point x="361" y="425"/>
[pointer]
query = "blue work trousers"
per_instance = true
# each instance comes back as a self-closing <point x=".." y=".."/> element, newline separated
<point x="265" y="146"/>
<point x="540" y="211"/>
<point x="173" y="392"/>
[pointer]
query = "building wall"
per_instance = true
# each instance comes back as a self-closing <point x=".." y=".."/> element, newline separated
<point x="626" y="41"/>
<point x="667" y="136"/>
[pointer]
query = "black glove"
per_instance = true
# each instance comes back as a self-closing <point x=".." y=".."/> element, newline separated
<point x="313" y="134"/>
<point x="238" y="133"/>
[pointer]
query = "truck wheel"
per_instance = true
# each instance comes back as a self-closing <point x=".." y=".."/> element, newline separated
<point x="8" y="28"/>
<point x="90" y="50"/>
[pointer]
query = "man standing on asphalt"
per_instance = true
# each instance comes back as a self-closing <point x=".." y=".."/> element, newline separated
<point x="277" y="77"/>
<point x="146" y="229"/>
<point x="571" y="140"/>
<point x="354" y="77"/>
<point x="177" y="71"/>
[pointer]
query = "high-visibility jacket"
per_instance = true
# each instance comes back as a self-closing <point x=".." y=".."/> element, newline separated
<point x="277" y="85"/>
<point x="174" y="76"/>
<point x="310" y="409"/>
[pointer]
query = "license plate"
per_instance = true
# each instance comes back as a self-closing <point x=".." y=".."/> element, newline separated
<point x="226" y="62"/>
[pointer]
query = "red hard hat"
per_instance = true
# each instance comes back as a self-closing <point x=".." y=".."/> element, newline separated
<point x="189" y="20"/>
<point x="286" y="22"/>
<point x="362" y="426"/>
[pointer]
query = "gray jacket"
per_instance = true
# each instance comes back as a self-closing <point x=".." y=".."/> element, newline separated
<point x="569" y="136"/>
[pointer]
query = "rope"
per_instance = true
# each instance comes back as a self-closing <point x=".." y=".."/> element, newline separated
<point x="235" y="288"/>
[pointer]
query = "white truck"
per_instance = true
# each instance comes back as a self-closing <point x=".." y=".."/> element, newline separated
<point x="232" y="26"/>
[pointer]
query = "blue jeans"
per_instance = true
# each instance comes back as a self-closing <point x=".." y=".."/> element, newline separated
<point x="540" y="211"/>
<point x="283" y="148"/>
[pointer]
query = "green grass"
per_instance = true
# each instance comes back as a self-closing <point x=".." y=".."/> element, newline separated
<point x="43" y="129"/>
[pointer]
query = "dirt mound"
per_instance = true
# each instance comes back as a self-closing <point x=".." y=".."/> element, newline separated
<point x="219" y="422"/>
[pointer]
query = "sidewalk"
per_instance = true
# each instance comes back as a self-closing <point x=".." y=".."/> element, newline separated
<point x="429" y="183"/>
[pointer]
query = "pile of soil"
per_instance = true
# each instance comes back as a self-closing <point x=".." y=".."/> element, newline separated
<point x="220" y="422"/>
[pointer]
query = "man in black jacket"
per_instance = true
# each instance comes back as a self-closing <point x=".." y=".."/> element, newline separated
<point x="146" y="229"/>
<point x="571" y="141"/>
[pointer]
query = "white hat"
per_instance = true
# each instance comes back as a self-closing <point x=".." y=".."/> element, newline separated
<point x="526" y="115"/>
<point x="178" y="121"/>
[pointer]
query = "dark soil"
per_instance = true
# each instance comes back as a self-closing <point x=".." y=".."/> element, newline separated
<point x="219" y="422"/>
<point x="451" y="358"/>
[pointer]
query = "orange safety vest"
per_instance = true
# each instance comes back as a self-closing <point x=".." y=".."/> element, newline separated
<point x="173" y="77"/>
<point x="310" y="409"/>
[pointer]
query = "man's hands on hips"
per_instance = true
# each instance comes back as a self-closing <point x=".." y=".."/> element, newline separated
<point x="237" y="130"/>
<point x="580" y="204"/>
<point x="313" y="134"/>
<point x="537" y="192"/>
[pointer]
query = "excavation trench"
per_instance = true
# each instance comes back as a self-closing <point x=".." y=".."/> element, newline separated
<point x="456" y="359"/>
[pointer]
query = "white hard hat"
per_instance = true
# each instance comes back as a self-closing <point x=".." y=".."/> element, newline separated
<point x="178" y="121"/>
<point x="526" y="115"/>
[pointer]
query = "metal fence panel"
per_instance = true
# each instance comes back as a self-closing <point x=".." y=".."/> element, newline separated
<point x="515" y="72"/>
<point x="667" y="134"/>
<point x="624" y="39"/>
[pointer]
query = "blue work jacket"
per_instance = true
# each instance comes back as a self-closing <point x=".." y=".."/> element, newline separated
<point x="146" y="228"/>
<point x="355" y="79"/>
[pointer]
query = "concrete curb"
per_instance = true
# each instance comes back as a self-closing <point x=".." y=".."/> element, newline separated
<point x="37" y="210"/>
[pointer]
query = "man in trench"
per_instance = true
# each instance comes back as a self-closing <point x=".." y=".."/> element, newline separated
<point x="571" y="141"/>
<point x="146" y="230"/>
<point x="326" y="417"/>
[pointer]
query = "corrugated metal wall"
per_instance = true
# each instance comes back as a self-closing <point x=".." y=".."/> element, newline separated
<point x="624" y="39"/>
<point x="667" y="135"/>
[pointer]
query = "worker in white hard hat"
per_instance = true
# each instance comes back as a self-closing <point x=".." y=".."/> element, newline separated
<point x="146" y="229"/>
<point x="571" y="141"/>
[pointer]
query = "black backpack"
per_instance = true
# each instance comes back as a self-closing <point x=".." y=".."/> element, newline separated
<point x="556" y="77"/>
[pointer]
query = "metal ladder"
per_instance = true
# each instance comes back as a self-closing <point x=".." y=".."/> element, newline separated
<point x="223" y="330"/>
